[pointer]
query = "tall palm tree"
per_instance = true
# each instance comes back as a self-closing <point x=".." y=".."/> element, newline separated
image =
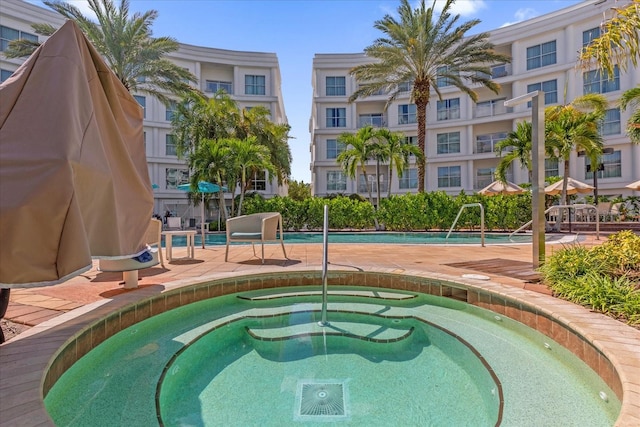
<point x="396" y="151"/>
<point x="360" y="149"/>
<point x="126" y="43"/>
<point x="571" y="126"/>
<point x="420" y="47"/>
<point x="518" y="145"/>
<point x="631" y="98"/>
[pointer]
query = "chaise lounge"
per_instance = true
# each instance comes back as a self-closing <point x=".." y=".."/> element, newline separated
<point x="255" y="228"/>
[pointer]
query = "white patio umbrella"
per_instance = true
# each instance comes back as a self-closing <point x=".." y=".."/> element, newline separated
<point x="203" y="187"/>
<point x="634" y="185"/>
<point x="499" y="187"/>
<point x="573" y="186"/>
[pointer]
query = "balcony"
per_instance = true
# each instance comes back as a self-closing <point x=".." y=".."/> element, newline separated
<point x="491" y="108"/>
<point x="374" y="120"/>
<point x="487" y="143"/>
<point x="497" y="71"/>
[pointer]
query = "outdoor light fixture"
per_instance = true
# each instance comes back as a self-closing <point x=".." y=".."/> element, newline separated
<point x="537" y="186"/>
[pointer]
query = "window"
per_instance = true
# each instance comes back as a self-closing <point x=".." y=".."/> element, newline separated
<point x="550" y="88"/>
<point x="374" y="120"/>
<point x="484" y="177"/>
<point x="449" y="176"/>
<point x="490" y="108"/>
<point x="412" y="140"/>
<point x="611" y="122"/>
<point x="175" y="177"/>
<point x="409" y="179"/>
<point x="259" y="181"/>
<point x="443" y="81"/>
<point x="170" y="146"/>
<point x="449" y="109"/>
<point x="405" y="87"/>
<point x="143" y="103"/>
<point x="254" y="85"/>
<point x="336" y="117"/>
<point x="487" y="143"/>
<point x="589" y="36"/>
<point x="8" y="34"/>
<point x="610" y="166"/>
<point x="448" y="142"/>
<point x="596" y="82"/>
<point x="541" y="55"/>
<point x="406" y="114"/>
<point x="334" y="148"/>
<point x="336" y="86"/>
<point x="336" y="181"/>
<point x="551" y="168"/>
<point x="171" y="109"/>
<point x="5" y="74"/>
<point x="216" y="85"/>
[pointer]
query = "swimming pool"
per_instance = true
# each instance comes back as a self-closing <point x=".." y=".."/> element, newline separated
<point x="232" y="350"/>
<point x="380" y="238"/>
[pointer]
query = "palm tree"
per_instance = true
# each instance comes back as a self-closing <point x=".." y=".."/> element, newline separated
<point x="518" y="145"/>
<point x="631" y="98"/>
<point x="126" y="43"/>
<point x="396" y="151"/>
<point x="570" y="127"/>
<point x="619" y="40"/>
<point x="419" y="48"/>
<point x="359" y="151"/>
<point x="248" y="157"/>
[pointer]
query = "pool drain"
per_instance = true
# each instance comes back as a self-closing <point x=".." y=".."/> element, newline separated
<point x="318" y="399"/>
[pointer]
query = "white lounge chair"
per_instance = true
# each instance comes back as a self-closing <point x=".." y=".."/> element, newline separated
<point x="255" y="228"/>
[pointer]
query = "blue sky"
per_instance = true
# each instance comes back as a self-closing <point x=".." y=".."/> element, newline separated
<point x="298" y="29"/>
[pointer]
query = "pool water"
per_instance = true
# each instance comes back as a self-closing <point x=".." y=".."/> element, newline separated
<point x="247" y="361"/>
<point x="375" y="237"/>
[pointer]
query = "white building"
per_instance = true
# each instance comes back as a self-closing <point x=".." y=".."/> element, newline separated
<point x="461" y="134"/>
<point x="251" y="78"/>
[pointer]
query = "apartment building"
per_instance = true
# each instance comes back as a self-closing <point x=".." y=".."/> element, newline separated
<point x="250" y="78"/>
<point x="462" y="134"/>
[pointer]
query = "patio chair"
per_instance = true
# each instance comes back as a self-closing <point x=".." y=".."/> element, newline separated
<point x="616" y="211"/>
<point x="603" y="210"/>
<point x="255" y="228"/>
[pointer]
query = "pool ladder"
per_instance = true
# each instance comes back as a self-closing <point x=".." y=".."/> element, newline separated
<point x="325" y="245"/>
<point x="469" y="205"/>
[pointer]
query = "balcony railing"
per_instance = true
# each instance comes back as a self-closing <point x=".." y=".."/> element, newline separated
<point x="488" y="109"/>
<point x="362" y="188"/>
<point x="498" y="71"/>
<point x="375" y="121"/>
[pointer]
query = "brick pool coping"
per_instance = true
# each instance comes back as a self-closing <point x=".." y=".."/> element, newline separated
<point x="31" y="363"/>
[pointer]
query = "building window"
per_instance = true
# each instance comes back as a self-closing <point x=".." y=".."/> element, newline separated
<point x="259" y="181"/>
<point x="449" y="176"/>
<point x="409" y="179"/>
<point x="487" y="143"/>
<point x="589" y="36"/>
<point x="541" y="55"/>
<point x="171" y="109"/>
<point x="484" y="177"/>
<point x="175" y="177"/>
<point x="405" y="87"/>
<point x="336" y="181"/>
<point x="550" y="88"/>
<point x="406" y="114"/>
<point x="551" y="168"/>
<point x="336" y="117"/>
<point x="374" y="120"/>
<point x="443" y="81"/>
<point x="610" y="166"/>
<point x="170" y="146"/>
<point x="336" y="86"/>
<point x="8" y="34"/>
<point x="611" y="123"/>
<point x="334" y="148"/>
<point x="598" y="82"/>
<point x="216" y="85"/>
<point x="5" y="74"/>
<point x="448" y="109"/>
<point x="254" y="85"/>
<point x="143" y="103"/>
<point x="448" y="143"/>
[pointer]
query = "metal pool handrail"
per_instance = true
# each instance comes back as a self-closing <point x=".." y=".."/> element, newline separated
<point x="325" y="243"/>
<point x="468" y="205"/>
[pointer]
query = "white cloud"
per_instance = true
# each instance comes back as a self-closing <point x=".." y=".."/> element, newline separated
<point x="522" y="14"/>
